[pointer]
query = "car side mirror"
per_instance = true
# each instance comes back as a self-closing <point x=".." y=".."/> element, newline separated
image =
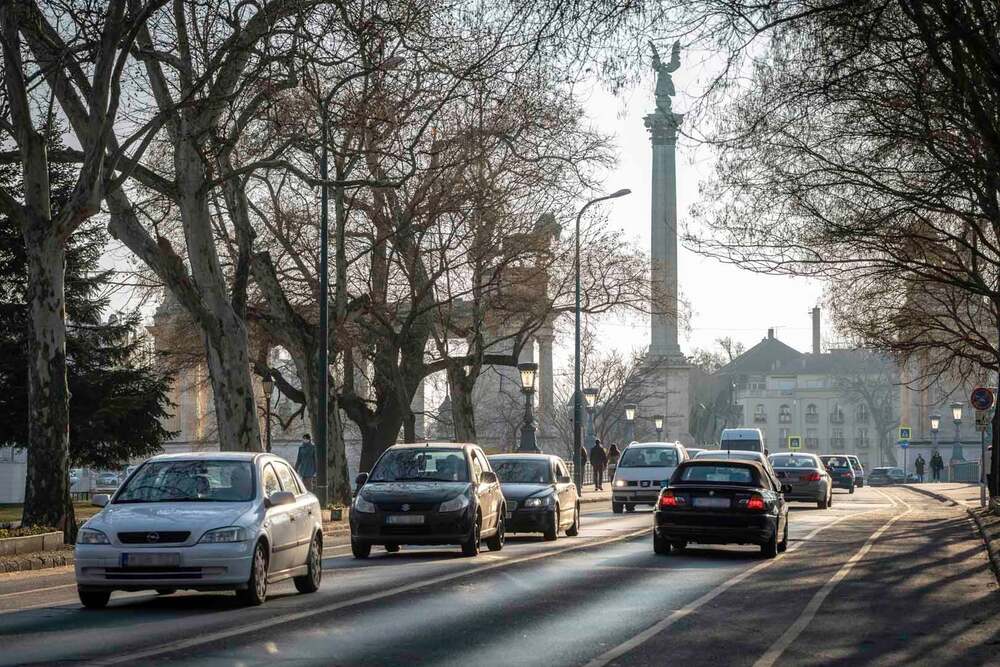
<point x="563" y="479"/>
<point x="361" y="479"/>
<point x="786" y="488"/>
<point x="279" y="498"/>
<point x="488" y="477"/>
<point x="100" y="500"/>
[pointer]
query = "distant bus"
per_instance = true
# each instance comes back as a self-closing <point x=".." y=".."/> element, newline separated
<point x="744" y="439"/>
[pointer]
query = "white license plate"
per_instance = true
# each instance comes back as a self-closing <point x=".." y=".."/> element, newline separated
<point x="150" y="560"/>
<point x="405" y="519"/>
<point x="711" y="502"/>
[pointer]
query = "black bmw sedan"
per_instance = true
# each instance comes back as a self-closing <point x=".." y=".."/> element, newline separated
<point x="540" y="496"/>
<point x="438" y="493"/>
<point x="721" y="502"/>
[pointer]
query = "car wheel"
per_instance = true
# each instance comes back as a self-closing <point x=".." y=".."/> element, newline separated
<point x="829" y="501"/>
<point x="574" y="530"/>
<point x="166" y="591"/>
<point x="360" y="550"/>
<point x="256" y="591"/>
<point x="823" y="504"/>
<point x="471" y="545"/>
<point x="770" y="548"/>
<point x="94" y="599"/>
<point x="617" y="508"/>
<point x="660" y="546"/>
<point x="783" y="544"/>
<point x="552" y="529"/>
<point x="310" y="581"/>
<point x="851" y="490"/>
<point x="495" y="542"/>
<point x="392" y="548"/>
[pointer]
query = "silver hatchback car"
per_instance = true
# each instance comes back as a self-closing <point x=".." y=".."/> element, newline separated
<point x="807" y="476"/>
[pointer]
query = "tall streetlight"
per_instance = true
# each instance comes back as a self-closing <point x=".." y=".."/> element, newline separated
<point x="529" y="444"/>
<point x="323" y="360"/>
<point x="956" y="450"/>
<point x="577" y="391"/>
<point x="267" y="385"/>
<point x="590" y="396"/>
<point x="658" y="424"/>
<point x="630" y="410"/>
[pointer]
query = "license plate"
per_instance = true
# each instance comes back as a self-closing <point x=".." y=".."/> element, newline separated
<point x="711" y="502"/>
<point x="405" y="519"/>
<point x="150" y="560"/>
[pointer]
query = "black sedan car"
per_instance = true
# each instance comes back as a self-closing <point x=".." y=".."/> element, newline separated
<point x="436" y="493"/>
<point x="540" y="496"/>
<point x="841" y="471"/>
<point x="721" y="502"/>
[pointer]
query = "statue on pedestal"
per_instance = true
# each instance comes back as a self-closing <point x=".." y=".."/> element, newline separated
<point x="664" y="82"/>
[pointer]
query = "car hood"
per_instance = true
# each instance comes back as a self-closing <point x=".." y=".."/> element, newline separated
<point x="644" y="472"/>
<point x="193" y="517"/>
<point x="520" y="492"/>
<point x="412" y="492"/>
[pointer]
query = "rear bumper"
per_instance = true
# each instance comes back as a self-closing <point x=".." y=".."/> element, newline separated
<point x="716" y="528"/>
<point x="810" y="492"/>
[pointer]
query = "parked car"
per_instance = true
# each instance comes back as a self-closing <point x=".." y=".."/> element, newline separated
<point x="886" y="476"/>
<point x="747" y="439"/>
<point x="107" y="480"/>
<point x="712" y="501"/>
<point x="806" y="476"/>
<point x="859" y="470"/>
<point x="540" y="496"/>
<point x="644" y="468"/>
<point x="435" y="493"/>
<point x="841" y="471"/>
<point x="208" y="521"/>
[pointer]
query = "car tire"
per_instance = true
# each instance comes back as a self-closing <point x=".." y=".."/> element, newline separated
<point x="310" y="581"/>
<point x="166" y="591"/>
<point x="783" y="544"/>
<point x="770" y="548"/>
<point x="495" y="541"/>
<point x="660" y="546"/>
<point x="829" y="501"/>
<point x="617" y="508"/>
<point x="360" y="550"/>
<point x="256" y="591"/>
<point x="574" y="530"/>
<point x="851" y="490"/>
<point x="470" y="547"/>
<point x="392" y="548"/>
<point x="552" y="528"/>
<point x="823" y="504"/>
<point x="678" y="545"/>
<point x="94" y="599"/>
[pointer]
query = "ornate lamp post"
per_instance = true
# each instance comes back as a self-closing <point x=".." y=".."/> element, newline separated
<point x="935" y="425"/>
<point x="590" y="395"/>
<point x="267" y="385"/>
<point x="529" y="444"/>
<point x="658" y="423"/>
<point x="630" y="409"/>
<point x="956" y="450"/>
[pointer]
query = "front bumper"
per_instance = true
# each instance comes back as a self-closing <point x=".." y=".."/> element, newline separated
<point x="437" y="528"/>
<point x="535" y="520"/>
<point x="715" y="528"/>
<point x="201" y="567"/>
<point x="636" y="495"/>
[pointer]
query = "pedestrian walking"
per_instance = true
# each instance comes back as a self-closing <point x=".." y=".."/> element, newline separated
<point x="583" y="462"/>
<point x="305" y="462"/>
<point x="937" y="465"/>
<point x="599" y="462"/>
<point x="918" y="465"/>
<point x="614" y="454"/>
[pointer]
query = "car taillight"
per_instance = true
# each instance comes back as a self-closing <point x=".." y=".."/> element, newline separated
<point x="850" y="474"/>
<point x="756" y="502"/>
<point x="668" y="499"/>
<point x="811" y="477"/>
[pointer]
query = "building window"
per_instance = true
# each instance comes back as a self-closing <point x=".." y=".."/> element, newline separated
<point x="812" y="439"/>
<point x="862" y="414"/>
<point x="837" y="415"/>
<point x="863" y="442"/>
<point x="837" y="442"/>
<point x="784" y="438"/>
<point x="759" y="414"/>
<point x="785" y="414"/>
<point x="812" y="414"/>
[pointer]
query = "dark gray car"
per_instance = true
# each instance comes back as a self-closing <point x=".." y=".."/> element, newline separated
<point x="806" y="475"/>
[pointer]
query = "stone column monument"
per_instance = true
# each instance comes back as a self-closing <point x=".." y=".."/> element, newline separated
<point x="670" y="397"/>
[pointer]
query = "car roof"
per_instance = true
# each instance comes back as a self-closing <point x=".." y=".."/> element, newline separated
<point x="436" y="445"/>
<point x="522" y="455"/>
<point x="654" y="444"/>
<point x="205" y="456"/>
<point x="729" y="454"/>
<point x="749" y="463"/>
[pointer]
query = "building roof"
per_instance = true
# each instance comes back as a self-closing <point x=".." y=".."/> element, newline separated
<point x="766" y="356"/>
<point x="771" y="356"/>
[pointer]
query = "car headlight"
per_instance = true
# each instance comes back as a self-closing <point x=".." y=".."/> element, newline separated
<point x="619" y="482"/>
<point x="222" y="535"/>
<point x="458" y="502"/>
<point x="543" y="501"/>
<point x="362" y="505"/>
<point x="91" y="536"/>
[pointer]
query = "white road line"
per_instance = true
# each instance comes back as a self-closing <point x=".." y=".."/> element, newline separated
<point x="277" y="619"/>
<point x="692" y="607"/>
<point x="773" y="654"/>
<point x="36" y="590"/>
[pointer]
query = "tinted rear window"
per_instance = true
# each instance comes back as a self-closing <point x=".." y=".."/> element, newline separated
<point x="716" y="474"/>
<point x="746" y="445"/>
<point x="790" y="461"/>
<point x="837" y="462"/>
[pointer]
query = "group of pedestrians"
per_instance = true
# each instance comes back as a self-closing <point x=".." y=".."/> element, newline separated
<point x="600" y="458"/>
<point x="936" y="465"/>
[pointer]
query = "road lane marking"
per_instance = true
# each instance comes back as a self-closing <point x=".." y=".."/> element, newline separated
<point x="793" y="632"/>
<point x="36" y="590"/>
<point x="249" y="628"/>
<point x="692" y="607"/>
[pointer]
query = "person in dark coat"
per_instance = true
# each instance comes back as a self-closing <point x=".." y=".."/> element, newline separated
<point x="937" y="465"/>
<point x="305" y="462"/>
<point x="918" y="465"/>
<point x="599" y="461"/>
<point x="614" y="454"/>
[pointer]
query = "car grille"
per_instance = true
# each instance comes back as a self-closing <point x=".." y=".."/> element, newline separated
<point x="154" y="537"/>
<point x="146" y="573"/>
<point x="411" y="507"/>
<point x="406" y="530"/>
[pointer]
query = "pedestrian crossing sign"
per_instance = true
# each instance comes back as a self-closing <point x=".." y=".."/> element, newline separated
<point x="794" y="442"/>
<point x="904" y="433"/>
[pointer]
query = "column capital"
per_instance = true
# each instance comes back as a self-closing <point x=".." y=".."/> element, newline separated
<point x="663" y="128"/>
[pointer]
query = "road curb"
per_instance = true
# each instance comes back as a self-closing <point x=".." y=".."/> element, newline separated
<point x="992" y="552"/>
<point x="585" y="500"/>
<point x="40" y="560"/>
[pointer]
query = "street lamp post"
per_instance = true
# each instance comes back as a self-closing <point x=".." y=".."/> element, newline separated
<point x="658" y="424"/>
<point x="590" y="396"/>
<point x="529" y="444"/>
<point x="956" y="450"/>
<point x="630" y="409"/>
<point x="267" y="385"/>
<point x="577" y="390"/>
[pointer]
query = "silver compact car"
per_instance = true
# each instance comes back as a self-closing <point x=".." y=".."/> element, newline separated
<point x="205" y="522"/>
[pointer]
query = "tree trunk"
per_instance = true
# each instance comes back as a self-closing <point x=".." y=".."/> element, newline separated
<point x="46" y="491"/>
<point x="232" y="390"/>
<point x="379" y="435"/>
<point x="338" y="481"/>
<point x="463" y="416"/>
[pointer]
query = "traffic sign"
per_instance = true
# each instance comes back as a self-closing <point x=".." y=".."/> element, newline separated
<point x="795" y="442"/>
<point x="904" y="443"/>
<point x="982" y="398"/>
<point x="904" y="433"/>
<point x="982" y="420"/>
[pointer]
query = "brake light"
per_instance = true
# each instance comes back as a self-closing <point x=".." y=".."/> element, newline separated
<point x="756" y="502"/>
<point x="668" y="499"/>
<point x="850" y="474"/>
<point x="811" y="477"/>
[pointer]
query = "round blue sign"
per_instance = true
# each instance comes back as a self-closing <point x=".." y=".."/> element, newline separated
<point x="982" y="398"/>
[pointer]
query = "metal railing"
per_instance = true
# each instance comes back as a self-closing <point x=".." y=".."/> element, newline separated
<point x="588" y="473"/>
<point x="967" y="471"/>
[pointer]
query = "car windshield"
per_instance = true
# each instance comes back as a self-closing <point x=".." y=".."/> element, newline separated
<point x="837" y="462"/>
<point x="716" y="474"/>
<point x="648" y="457"/>
<point x="421" y="464"/>
<point x="792" y="461"/>
<point x="189" y="481"/>
<point x="521" y="471"/>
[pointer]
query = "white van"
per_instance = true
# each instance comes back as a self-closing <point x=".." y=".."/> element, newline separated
<point x="644" y="468"/>
<point x="744" y="439"/>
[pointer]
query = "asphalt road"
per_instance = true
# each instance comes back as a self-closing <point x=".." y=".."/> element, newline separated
<point x="887" y="576"/>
